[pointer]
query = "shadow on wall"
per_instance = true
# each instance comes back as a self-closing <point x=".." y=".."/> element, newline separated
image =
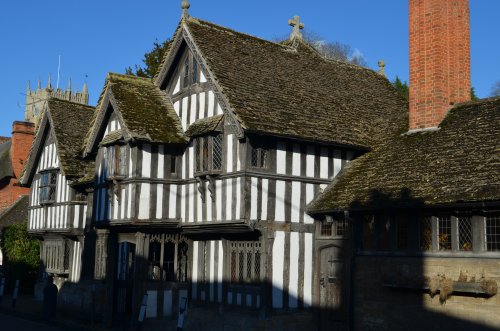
<point x="403" y="279"/>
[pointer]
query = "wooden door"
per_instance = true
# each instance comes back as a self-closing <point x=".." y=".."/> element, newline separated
<point x="333" y="289"/>
<point x="124" y="280"/>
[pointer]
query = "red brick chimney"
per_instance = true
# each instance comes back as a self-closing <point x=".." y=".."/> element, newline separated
<point x="22" y="138"/>
<point x="439" y="59"/>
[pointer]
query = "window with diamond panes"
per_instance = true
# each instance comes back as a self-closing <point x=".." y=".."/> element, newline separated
<point x="444" y="233"/>
<point x="493" y="233"/>
<point x="426" y="234"/>
<point x="47" y="188"/>
<point x="245" y="260"/>
<point x="217" y="152"/>
<point x="208" y="153"/>
<point x="259" y="158"/>
<point x="465" y="233"/>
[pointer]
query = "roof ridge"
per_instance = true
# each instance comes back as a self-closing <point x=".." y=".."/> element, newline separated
<point x="283" y="46"/>
<point x="54" y="99"/>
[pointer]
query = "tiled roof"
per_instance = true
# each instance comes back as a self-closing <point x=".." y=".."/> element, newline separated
<point x="295" y="92"/>
<point x="203" y="126"/>
<point x="66" y="122"/>
<point x="112" y="137"/>
<point x="146" y="111"/>
<point x="459" y="163"/>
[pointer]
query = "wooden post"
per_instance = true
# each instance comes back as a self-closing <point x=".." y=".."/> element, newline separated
<point x="15" y="293"/>
<point x="2" y="288"/>
<point x="142" y="311"/>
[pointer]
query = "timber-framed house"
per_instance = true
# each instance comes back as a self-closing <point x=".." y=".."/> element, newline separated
<point x="200" y="177"/>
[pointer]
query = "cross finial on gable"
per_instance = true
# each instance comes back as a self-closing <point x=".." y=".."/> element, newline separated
<point x="185" y="6"/>
<point x="297" y="26"/>
<point x="381" y="67"/>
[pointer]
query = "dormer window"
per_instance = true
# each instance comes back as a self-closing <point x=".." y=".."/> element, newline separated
<point x="116" y="161"/>
<point x="47" y="188"/>
<point x="208" y="153"/>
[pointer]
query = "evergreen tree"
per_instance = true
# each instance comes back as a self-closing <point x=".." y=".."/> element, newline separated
<point x="152" y="60"/>
<point x="402" y="87"/>
<point x="473" y="95"/>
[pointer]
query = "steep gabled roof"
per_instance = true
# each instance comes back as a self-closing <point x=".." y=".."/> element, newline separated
<point x="66" y="121"/>
<point x="294" y="92"/>
<point x="458" y="163"/>
<point x="144" y="111"/>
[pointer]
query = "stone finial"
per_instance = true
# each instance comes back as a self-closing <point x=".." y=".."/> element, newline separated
<point x="381" y="67"/>
<point x="49" y="84"/>
<point x="185" y="6"/>
<point x="39" y="85"/>
<point x="28" y="87"/>
<point x="69" y="86"/>
<point x="297" y="26"/>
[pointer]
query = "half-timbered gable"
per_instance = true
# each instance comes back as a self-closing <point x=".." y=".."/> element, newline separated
<point x="57" y="211"/>
<point x="135" y="138"/>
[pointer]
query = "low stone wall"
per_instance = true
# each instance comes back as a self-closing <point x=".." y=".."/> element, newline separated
<point x="392" y="293"/>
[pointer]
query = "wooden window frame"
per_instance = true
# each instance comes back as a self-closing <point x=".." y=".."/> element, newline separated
<point x="338" y="227"/>
<point x="117" y="161"/>
<point x="50" y="186"/>
<point x="238" y="266"/>
<point x="204" y="154"/>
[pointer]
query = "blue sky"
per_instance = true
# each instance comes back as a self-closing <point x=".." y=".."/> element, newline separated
<point x="95" y="37"/>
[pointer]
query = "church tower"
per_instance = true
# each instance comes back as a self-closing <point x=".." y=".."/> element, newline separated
<point x="36" y="99"/>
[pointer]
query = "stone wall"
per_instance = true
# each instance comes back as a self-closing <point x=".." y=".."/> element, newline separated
<point x="387" y="294"/>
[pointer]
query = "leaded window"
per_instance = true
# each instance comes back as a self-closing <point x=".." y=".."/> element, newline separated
<point x="163" y="264"/>
<point x="208" y="153"/>
<point x="493" y="233"/>
<point x="47" y="188"/>
<point x="245" y="262"/>
<point x="56" y="256"/>
<point x="333" y="226"/>
<point x="444" y="233"/>
<point x="384" y="232"/>
<point x="465" y="233"/>
<point x="260" y="157"/>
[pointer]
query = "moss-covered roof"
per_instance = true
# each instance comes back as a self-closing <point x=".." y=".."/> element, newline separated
<point x="458" y="163"/>
<point x="6" y="169"/>
<point x="66" y="120"/>
<point x="146" y="110"/>
<point x="203" y="126"/>
<point x="278" y="89"/>
<point x="112" y="137"/>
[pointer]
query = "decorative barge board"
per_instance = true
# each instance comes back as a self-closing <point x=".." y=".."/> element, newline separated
<point x="57" y="210"/>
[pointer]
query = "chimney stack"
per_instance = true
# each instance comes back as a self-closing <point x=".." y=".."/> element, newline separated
<point x="22" y="138"/>
<point x="439" y="59"/>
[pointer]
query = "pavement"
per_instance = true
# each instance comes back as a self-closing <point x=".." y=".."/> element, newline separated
<point x="27" y="315"/>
